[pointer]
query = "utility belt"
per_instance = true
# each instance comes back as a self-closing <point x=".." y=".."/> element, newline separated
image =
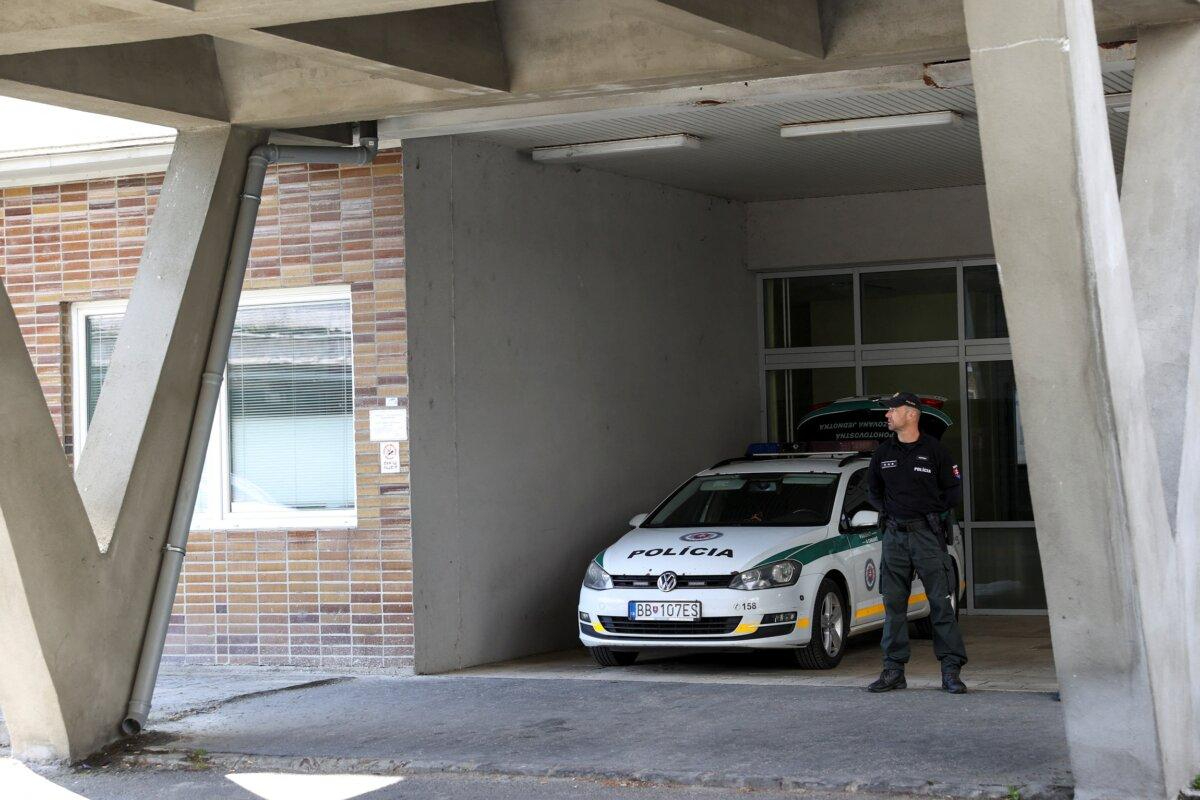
<point x="940" y="524"/>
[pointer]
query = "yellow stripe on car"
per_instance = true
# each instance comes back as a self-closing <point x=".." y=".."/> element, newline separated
<point x="869" y="611"/>
<point x="597" y="627"/>
<point x="746" y="627"/>
<point x="878" y="607"/>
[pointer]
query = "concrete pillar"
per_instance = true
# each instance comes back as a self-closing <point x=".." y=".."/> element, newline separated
<point x="1112" y="575"/>
<point x="77" y="565"/>
<point x="1160" y="202"/>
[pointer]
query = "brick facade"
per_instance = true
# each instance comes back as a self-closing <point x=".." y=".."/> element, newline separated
<point x="300" y="597"/>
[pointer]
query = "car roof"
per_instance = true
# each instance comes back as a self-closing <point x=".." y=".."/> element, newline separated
<point x="790" y="462"/>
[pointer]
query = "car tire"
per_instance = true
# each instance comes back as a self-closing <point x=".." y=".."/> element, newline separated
<point x="830" y="626"/>
<point x="923" y="628"/>
<point x="607" y="657"/>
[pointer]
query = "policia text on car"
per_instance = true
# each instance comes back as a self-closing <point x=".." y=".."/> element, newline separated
<point x="914" y="482"/>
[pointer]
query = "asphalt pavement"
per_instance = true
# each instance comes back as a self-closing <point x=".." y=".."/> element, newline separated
<point x="689" y="728"/>
<point x="739" y="736"/>
<point x="213" y="784"/>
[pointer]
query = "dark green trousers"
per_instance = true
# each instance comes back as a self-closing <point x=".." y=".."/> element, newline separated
<point x="919" y="550"/>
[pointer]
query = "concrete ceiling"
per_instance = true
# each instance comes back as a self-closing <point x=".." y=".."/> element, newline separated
<point x="292" y="63"/>
<point x="743" y="157"/>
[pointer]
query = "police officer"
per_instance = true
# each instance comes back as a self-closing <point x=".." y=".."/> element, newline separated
<point x="913" y="481"/>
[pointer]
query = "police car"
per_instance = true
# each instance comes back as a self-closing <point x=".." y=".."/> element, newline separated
<point x="772" y="550"/>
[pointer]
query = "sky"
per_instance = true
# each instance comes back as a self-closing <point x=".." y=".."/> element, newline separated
<point x="31" y="126"/>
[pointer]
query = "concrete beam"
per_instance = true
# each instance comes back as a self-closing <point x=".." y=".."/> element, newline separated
<point x="286" y="52"/>
<point x="534" y="113"/>
<point x="1103" y="531"/>
<point x="1160" y="201"/>
<point x="150" y="7"/>
<point x="32" y="25"/>
<point x="454" y="48"/>
<point x="72" y="613"/>
<point x="172" y="82"/>
<point x="774" y="30"/>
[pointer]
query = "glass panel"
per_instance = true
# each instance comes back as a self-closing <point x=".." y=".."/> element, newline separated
<point x="755" y="499"/>
<point x="291" y="408"/>
<point x="922" y="379"/>
<point x="1008" y="571"/>
<point x="909" y="306"/>
<point x="809" y="312"/>
<point x="999" y="475"/>
<point x="100" y="332"/>
<point x="791" y="393"/>
<point x="856" y="498"/>
<point x="984" y="306"/>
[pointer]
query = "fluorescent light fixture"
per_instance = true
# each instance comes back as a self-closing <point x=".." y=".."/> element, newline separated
<point x="899" y="122"/>
<point x="616" y="147"/>
<point x="1118" y="102"/>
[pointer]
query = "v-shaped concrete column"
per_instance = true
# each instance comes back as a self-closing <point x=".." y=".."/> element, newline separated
<point x="1160" y="202"/>
<point x="77" y="565"/>
<point x="1113" y="579"/>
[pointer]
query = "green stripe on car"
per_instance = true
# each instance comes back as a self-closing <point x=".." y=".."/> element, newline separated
<point x="809" y="553"/>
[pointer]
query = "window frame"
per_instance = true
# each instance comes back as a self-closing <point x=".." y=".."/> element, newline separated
<point x="224" y="518"/>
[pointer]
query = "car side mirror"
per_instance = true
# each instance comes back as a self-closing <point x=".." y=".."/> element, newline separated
<point x="865" y="519"/>
<point x="638" y="520"/>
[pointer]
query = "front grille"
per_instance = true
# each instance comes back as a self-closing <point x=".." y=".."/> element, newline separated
<point x="684" y="581"/>
<point x="705" y="626"/>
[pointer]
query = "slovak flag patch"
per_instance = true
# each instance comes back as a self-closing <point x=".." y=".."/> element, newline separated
<point x="957" y="474"/>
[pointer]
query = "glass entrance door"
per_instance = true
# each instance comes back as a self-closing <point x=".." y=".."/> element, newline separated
<point x="935" y="329"/>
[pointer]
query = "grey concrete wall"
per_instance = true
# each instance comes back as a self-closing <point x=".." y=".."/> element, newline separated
<point x="868" y="228"/>
<point x="579" y="344"/>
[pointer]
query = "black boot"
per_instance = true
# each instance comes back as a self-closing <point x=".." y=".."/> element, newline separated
<point x="891" y="678"/>
<point x="951" y="682"/>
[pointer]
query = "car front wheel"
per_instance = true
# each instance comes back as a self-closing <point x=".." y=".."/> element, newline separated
<point x="607" y="657"/>
<point x="830" y="623"/>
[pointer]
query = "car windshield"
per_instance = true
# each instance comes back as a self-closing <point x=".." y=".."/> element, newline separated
<point x="757" y="499"/>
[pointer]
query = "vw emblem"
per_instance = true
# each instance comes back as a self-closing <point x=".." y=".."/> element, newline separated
<point x="701" y="536"/>
<point x="666" y="581"/>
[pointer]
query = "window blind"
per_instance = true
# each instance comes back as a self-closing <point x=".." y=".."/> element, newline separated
<point x="101" y="337"/>
<point x="291" y="408"/>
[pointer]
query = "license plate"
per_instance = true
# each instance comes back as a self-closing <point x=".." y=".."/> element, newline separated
<point x="675" y="611"/>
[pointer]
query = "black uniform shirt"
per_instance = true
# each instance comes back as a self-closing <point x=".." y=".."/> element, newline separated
<point x="908" y="481"/>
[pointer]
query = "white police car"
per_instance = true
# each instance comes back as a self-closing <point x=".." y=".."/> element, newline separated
<point x="766" y="551"/>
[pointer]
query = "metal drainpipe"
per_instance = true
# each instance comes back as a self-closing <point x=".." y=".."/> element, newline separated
<point x="210" y="389"/>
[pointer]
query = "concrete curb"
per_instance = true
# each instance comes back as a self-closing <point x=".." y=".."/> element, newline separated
<point x="232" y="762"/>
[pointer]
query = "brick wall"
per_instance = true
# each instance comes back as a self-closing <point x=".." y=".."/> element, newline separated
<point x="303" y="597"/>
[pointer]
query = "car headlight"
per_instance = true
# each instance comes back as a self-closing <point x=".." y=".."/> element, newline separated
<point x="768" y="576"/>
<point x="596" y="577"/>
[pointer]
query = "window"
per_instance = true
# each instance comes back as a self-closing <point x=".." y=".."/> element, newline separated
<point x="909" y="306"/>
<point x="984" y="305"/>
<point x="282" y="449"/>
<point x="792" y="393"/>
<point x="809" y="312"/>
